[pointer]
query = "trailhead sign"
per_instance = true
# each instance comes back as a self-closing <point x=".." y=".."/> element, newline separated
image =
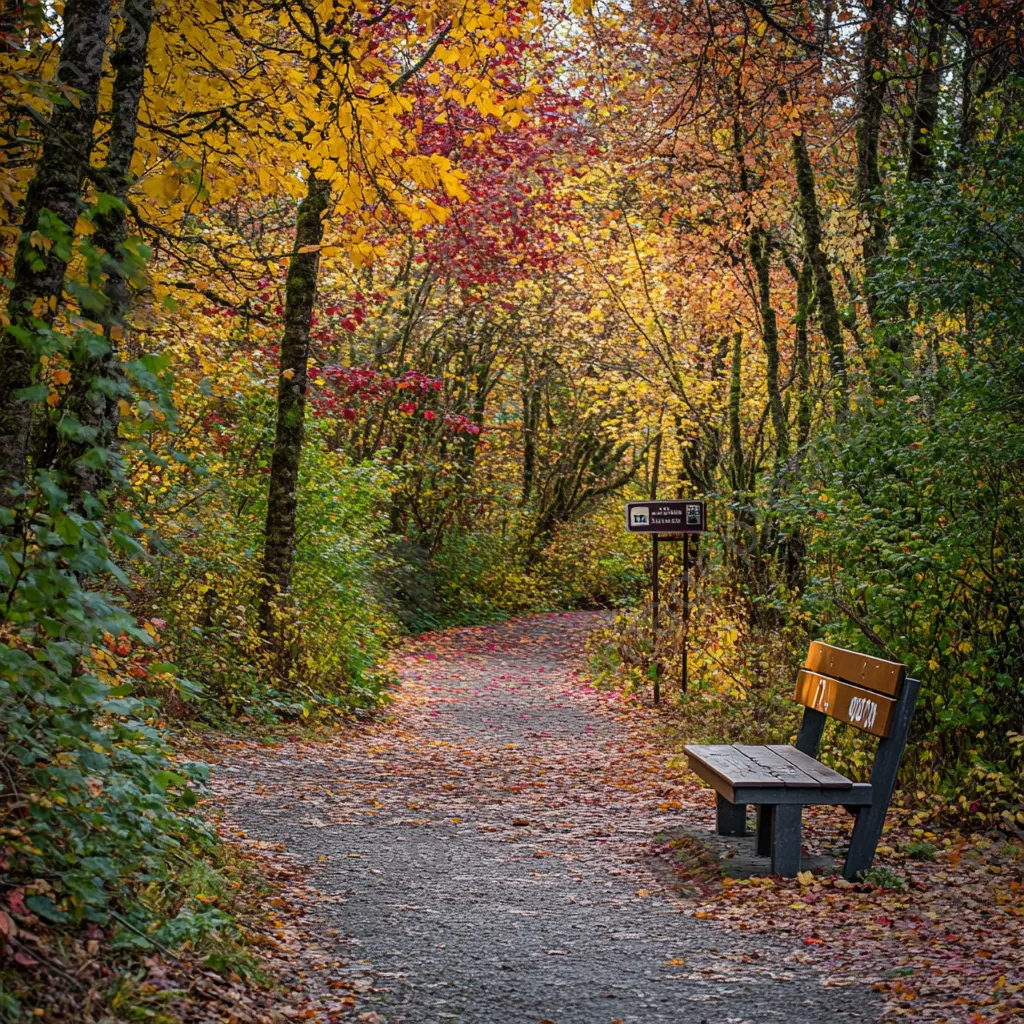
<point x="670" y="521"/>
<point x="666" y="517"/>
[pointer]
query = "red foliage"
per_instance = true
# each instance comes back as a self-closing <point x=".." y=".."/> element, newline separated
<point x="513" y="224"/>
<point x="348" y="389"/>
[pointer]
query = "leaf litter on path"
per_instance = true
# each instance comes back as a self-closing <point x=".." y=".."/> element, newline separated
<point x="496" y="737"/>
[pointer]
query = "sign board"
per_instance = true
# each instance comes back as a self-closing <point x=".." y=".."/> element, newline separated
<point x="666" y="517"/>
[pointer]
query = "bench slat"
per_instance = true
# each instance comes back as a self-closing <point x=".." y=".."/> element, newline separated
<point x="853" y="667"/>
<point x="825" y="776"/>
<point x="766" y="766"/>
<point x="727" y="769"/>
<point x="858" y="795"/>
<point x="863" y="709"/>
<point x="776" y="767"/>
<point x="731" y="764"/>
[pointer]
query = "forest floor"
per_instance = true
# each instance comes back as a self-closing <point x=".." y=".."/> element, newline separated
<point x="505" y="846"/>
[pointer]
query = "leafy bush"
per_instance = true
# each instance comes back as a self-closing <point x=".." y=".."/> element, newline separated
<point x="333" y="625"/>
<point x="95" y="802"/>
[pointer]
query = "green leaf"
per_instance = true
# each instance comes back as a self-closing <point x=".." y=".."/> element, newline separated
<point x="46" y="909"/>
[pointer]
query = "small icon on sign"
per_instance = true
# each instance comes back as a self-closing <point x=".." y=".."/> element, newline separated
<point x="639" y="516"/>
<point x="693" y="515"/>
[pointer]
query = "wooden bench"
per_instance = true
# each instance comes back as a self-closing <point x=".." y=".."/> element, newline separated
<point x="867" y="693"/>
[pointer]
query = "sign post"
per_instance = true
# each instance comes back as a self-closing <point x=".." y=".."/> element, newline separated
<point x="672" y="521"/>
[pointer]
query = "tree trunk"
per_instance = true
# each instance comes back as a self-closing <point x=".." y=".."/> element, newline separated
<point x="531" y="424"/>
<point x="300" y="296"/>
<point x="739" y="476"/>
<point x="921" y="162"/>
<point x="828" y="315"/>
<point x="97" y="380"/>
<point x="870" y="101"/>
<point x="656" y="468"/>
<point x="760" y="252"/>
<point x="39" y="272"/>
<point x="968" y="125"/>
<point x="803" y="360"/>
<point x="745" y="529"/>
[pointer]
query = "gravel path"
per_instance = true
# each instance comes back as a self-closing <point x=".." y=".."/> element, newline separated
<point x="486" y="857"/>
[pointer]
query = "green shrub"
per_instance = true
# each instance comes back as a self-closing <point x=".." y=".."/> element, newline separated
<point x="922" y="850"/>
<point x="883" y="878"/>
<point x="94" y="801"/>
<point x="333" y="625"/>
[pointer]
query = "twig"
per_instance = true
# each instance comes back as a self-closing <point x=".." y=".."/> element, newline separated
<point x="403" y="78"/>
<point x="36" y="955"/>
<point x="138" y="931"/>
<point x="864" y="628"/>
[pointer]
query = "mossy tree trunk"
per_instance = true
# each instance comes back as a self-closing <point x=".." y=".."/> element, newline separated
<point x="870" y="106"/>
<point x="97" y="381"/>
<point x="48" y="229"/>
<point x="741" y="471"/>
<point x="282" y="501"/>
<point x="825" y="300"/>
<point x="739" y="466"/>
<point x="760" y="253"/>
<point x="803" y="356"/>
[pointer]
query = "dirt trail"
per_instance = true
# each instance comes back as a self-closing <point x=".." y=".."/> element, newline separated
<point x="487" y="856"/>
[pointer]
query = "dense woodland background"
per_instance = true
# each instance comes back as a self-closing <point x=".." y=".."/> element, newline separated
<point x="326" y="322"/>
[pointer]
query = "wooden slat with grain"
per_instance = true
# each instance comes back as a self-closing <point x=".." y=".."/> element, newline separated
<point x="863" y="709"/>
<point x="858" y="795"/>
<point x="853" y="667"/>
<point x="726" y="761"/>
<point x="716" y="782"/>
<point x="777" y="767"/>
<point x="821" y="773"/>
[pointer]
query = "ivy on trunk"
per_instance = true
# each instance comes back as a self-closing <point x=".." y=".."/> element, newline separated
<point x="282" y="500"/>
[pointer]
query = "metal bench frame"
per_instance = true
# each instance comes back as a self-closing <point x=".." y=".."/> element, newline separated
<point x="780" y="810"/>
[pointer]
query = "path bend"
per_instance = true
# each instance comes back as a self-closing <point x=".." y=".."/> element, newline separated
<point x="487" y="855"/>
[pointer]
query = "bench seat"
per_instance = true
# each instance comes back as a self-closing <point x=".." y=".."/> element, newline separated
<point x="870" y="694"/>
<point x="773" y="775"/>
<point x="780" y="781"/>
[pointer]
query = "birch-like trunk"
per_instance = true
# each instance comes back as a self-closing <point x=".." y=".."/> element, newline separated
<point x="921" y="159"/>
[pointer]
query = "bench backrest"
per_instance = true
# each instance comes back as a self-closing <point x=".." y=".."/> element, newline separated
<point x="851" y="687"/>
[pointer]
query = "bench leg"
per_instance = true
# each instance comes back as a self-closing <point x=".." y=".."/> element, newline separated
<point x="786" y="840"/>
<point x="764" y="829"/>
<point x="867" y="830"/>
<point x="731" y="819"/>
